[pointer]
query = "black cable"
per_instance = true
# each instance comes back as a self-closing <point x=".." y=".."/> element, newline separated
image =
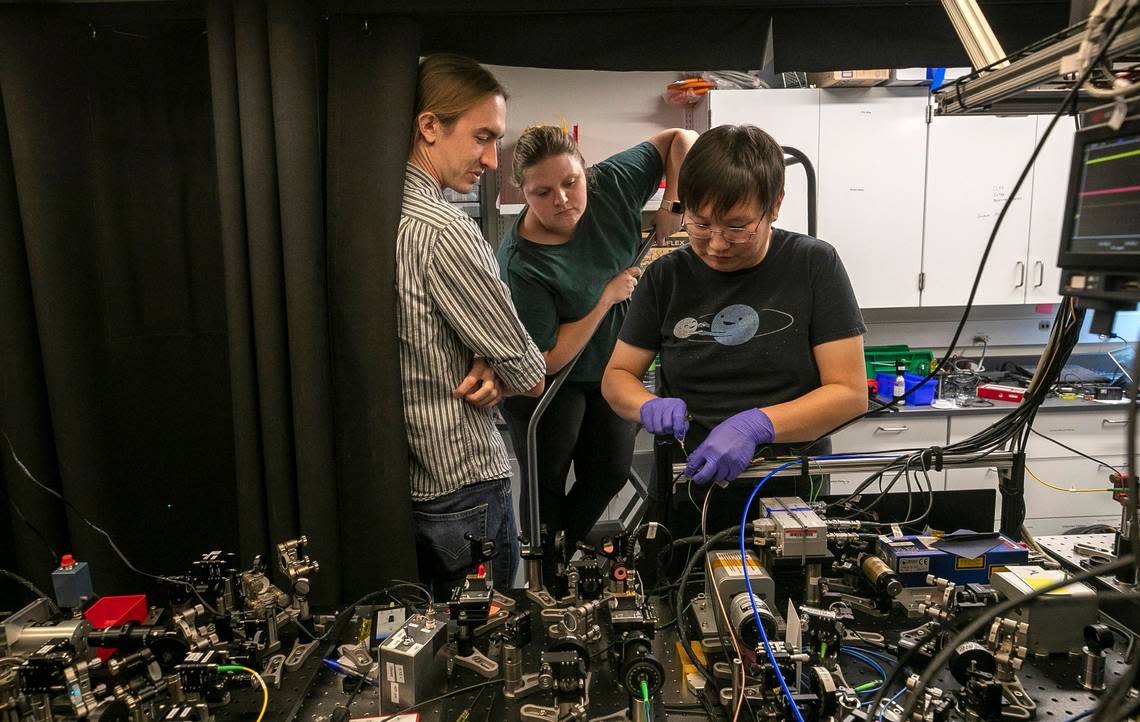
<point x="340" y="616"/>
<point x="29" y="586"/>
<point x="678" y="609"/>
<point x="1132" y="481"/>
<point x="123" y="557"/>
<point x="491" y="707"/>
<point x="342" y="712"/>
<point x="868" y="481"/>
<point x="420" y="705"/>
<point x="940" y="660"/>
<point x="27" y="522"/>
<point x="668" y="550"/>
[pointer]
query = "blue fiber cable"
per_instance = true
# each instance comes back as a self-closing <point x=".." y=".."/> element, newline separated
<point x="878" y="670"/>
<point x="869" y="661"/>
<point x="864" y="658"/>
<point x="890" y="702"/>
<point x="886" y="657"/>
<point x="748" y="582"/>
<point x="752" y="597"/>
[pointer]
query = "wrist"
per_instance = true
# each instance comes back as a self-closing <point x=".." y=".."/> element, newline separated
<point x="760" y="427"/>
<point x="673" y="206"/>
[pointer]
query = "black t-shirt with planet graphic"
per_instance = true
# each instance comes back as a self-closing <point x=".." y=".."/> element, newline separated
<point x="730" y="341"/>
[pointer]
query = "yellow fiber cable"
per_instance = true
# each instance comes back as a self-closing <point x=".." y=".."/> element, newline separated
<point x="264" y="689"/>
<point x="1061" y="488"/>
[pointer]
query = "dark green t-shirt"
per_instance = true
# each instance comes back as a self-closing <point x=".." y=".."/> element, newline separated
<point x="553" y="285"/>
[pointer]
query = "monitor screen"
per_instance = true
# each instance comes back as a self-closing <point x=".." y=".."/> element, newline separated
<point x="1106" y="217"/>
<point x="1124" y="358"/>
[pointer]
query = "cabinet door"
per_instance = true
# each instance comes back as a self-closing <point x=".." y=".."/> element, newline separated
<point x="972" y="165"/>
<point x="1049" y="510"/>
<point x="1098" y="433"/>
<point x="1050" y="184"/>
<point x="789" y="116"/>
<point x="1045" y="502"/>
<point x="872" y="157"/>
<point x="894" y="431"/>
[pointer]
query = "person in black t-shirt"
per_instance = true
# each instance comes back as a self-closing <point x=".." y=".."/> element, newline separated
<point x="758" y="329"/>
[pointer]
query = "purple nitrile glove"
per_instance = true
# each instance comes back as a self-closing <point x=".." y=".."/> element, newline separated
<point x="729" y="447"/>
<point x="665" y="416"/>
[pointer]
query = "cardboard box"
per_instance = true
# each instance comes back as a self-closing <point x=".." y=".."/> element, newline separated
<point x="849" y="78"/>
<point x="913" y="557"/>
<point x="1001" y="393"/>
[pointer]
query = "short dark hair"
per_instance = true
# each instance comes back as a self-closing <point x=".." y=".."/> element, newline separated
<point x="731" y="164"/>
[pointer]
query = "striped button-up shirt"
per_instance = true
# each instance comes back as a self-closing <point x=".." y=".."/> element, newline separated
<point x="452" y="308"/>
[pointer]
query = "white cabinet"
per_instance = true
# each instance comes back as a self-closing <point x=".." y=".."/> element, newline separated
<point x="872" y="147"/>
<point x="1049" y="510"/>
<point x="972" y="165"/>
<point x="883" y="434"/>
<point x="898" y="196"/>
<point x="1050" y="183"/>
<point x="789" y="116"/>
<point x="867" y="146"/>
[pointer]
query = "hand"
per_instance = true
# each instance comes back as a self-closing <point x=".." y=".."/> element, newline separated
<point x="665" y="416"/>
<point x="480" y="387"/>
<point x="621" y="286"/>
<point x="667" y="223"/>
<point x="729" y="448"/>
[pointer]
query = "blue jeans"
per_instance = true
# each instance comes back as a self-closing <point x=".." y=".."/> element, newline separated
<point x="444" y="556"/>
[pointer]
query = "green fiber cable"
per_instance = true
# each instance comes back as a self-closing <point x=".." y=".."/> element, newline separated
<point x="822" y="650"/>
<point x="644" y="691"/>
<point x="230" y="668"/>
<point x="869" y="685"/>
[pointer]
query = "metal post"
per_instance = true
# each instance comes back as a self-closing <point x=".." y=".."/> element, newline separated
<point x="974" y="31"/>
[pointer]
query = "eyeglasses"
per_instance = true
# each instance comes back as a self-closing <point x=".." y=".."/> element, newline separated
<point x="732" y="234"/>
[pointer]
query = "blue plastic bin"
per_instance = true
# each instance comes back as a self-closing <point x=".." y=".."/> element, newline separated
<point x="925" y="394"/>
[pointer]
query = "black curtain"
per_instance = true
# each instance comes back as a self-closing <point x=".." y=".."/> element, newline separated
<point x="372" y="72"/>
<point x="199" y="350"/>
<point x="115" y="389"/>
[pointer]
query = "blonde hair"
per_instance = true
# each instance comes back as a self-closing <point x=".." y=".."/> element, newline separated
<point x="536" y="144"/>
<point x="450" y="85"/>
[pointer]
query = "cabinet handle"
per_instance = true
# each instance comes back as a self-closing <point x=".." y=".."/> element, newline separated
<point x="1113" y="422"/>
<point x="1040" y="266"/>
<point x="1020" y="274"/>
<point x="893" y="429"/>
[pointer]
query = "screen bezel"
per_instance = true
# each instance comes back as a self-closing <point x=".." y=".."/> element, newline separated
<point x="1091" y="261"/>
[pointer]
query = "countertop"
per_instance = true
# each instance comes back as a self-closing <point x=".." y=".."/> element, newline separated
<point x="1004" y="407"/>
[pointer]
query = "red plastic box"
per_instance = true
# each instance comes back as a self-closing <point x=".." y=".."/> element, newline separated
<point x="1001" y="393"/>
<point x="113" y="611"/>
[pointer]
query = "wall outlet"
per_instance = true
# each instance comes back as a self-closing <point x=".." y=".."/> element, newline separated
<point x="1044" y="325"/>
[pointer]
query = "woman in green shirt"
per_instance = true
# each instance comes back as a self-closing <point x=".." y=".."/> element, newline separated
<point x="568" y="260"/>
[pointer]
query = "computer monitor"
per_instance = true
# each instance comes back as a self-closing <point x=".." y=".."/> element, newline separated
<point x="1100" y="239"/>
<point x="1124" y="358"/>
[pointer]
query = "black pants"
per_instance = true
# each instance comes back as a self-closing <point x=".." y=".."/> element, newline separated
<point x="578" y="428"/>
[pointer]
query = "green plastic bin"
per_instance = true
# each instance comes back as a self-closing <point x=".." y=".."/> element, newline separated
<point x="880" y="359"/>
